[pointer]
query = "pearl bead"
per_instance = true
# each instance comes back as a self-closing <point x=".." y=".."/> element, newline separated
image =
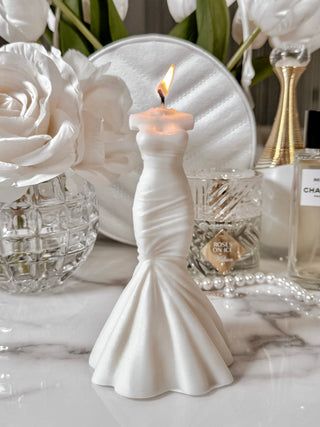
<point x="309" y="299"/>
<point x="206" y="285"/>
<point x="250" y="279"/>
<point x="299" y="296"/>
<point x="239" y="280"/>
<point x="230" y="292"/>
<point x="218" y="283"/>
<point x="229" y="280"/>
<point x="260" y="278"/>
<point x="230" y="283"/>
<point x="270" y="278"/>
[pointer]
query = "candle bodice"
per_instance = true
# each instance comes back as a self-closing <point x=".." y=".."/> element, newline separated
<point x="162" y="135"/>
<point x="162" y="121"/>
<point x="162" y="147"/>
<point x="163" y="199"/>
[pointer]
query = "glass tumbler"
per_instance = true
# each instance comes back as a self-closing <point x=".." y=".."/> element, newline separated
<point x="227" y="225"/>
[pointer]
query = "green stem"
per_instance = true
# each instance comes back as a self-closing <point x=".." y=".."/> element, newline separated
<point x="245" y="45"/>
<point x="77" y="23"/>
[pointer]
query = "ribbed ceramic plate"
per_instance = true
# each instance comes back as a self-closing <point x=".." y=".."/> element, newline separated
<point x="224" y="135"/>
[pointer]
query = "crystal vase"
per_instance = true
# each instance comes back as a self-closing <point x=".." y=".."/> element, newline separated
<point x="47" y="233"/>
<point x="289" y="63"/>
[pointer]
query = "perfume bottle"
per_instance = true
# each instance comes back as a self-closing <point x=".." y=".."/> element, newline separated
<point x="304" y="251"/>
<point x="289" y="63"/>
<point x="227" y="223"/>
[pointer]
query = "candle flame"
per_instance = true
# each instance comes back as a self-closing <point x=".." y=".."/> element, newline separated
<point x="165" y="84"/>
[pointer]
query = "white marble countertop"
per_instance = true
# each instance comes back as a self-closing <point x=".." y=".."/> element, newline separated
<point x="45" y="342"/>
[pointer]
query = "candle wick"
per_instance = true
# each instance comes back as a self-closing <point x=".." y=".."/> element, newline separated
<point x="162" y="97"/>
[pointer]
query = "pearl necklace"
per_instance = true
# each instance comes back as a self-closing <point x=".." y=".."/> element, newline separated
<point x="228" y="286"/>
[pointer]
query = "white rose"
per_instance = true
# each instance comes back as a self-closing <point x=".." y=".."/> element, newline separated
<point x="108" y="143"/>
<point x="180" y="9"/>
<point x="23" y="20"/>
<point x="39" y="117"/>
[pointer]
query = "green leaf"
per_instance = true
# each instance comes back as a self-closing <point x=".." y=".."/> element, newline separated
<point x="75" y="6"/>
<point x="263" y="69"/>
<point x="187" y="29"/>
<point x="116" y="26"/>
<point x="70" y="38"/>
<point x="237" y="73"/>
<point x="99" y="21"/>
<point x="213" y="22"/>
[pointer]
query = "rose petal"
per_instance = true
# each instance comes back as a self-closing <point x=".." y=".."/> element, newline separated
<point x="39" y="129"/>
<point x="12" y="149"/>
<point x="64" y="139"/>
<point x="15" y="126"/>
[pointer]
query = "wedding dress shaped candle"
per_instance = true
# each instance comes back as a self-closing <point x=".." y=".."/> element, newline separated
<point x="163" y="334"/>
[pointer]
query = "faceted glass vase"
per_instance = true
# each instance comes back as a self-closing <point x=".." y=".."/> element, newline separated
<point x="47" y="233"/>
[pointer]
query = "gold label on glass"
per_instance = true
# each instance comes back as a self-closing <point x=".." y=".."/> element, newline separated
<point x="223" y="251"/>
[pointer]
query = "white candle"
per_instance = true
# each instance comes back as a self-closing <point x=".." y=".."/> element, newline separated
<point x="163" y="334"/>
<point x="162" y="120"/>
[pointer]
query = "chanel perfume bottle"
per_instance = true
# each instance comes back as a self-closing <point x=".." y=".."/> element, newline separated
<point x="304" y="252"/>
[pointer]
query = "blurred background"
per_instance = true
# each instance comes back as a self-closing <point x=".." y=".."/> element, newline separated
<point x="152" y="16"/>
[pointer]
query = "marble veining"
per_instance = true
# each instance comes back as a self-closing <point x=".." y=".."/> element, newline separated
<point x="45" y="342"/>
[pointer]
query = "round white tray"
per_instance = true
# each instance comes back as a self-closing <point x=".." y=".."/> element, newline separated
<point x="224" y="135"/>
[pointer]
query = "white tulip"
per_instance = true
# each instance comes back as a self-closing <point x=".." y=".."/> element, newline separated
<point x="23" y="20"/>
<point x="180" y="9"/>
<point x="237" y="31"/>
<point x="293" y="21"/>
<point x="121" y="6"/>
<point x="39" y="117"/>
<point x="280" y="17"/>
<point x="307" y="32"/>
<point x="109" y="148"/>
<point x="282" y="21"/>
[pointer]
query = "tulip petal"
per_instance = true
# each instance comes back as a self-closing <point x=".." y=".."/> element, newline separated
<point x="237" y="32"/>
<point x="122" y="7"/>
<point x="180" y="9"/>
<point x="294" y="21"/>
<point x="18" y="23"/>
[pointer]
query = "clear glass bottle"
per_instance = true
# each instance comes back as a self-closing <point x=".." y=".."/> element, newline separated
<point x="304" y="251"/>
<point x="227" y="225"/>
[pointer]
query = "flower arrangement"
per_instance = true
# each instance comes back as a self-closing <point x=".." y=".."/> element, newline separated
<point x="87" y="25"/>
<point x="57" y="113"/>
<point x="60" y="112"/>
